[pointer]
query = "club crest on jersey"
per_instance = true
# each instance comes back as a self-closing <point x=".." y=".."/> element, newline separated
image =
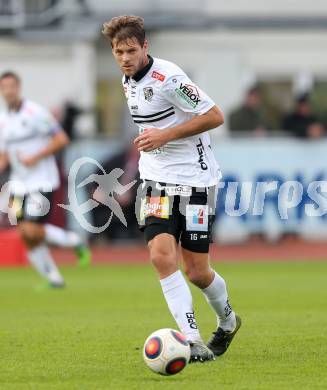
<point x="189" y="93"/>
<point x="158" y="76"/>
<point x="148" y="93"/>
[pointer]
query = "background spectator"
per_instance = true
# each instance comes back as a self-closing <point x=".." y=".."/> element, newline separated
<point x="249" y="116"/>
<point x="70" y="114"/>
<point x="302" y="122"/>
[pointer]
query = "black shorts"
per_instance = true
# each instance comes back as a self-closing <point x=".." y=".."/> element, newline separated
<point x="33" y="207"/>
<point x="187" y="213"/>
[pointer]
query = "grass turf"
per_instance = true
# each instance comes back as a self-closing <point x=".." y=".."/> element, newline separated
<point x="90" y="335"/>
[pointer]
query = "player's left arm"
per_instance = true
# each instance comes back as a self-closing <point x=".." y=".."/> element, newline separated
<point x="47" y="125"/>
<point x="185" y="95"/>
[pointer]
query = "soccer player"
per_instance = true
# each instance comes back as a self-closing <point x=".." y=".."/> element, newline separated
<point x="180" y="177"/>
<point x="29" y="139"/>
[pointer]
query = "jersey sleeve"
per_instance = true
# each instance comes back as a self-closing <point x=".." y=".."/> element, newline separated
<point x="46" y="123"/>
<point x="184" y="94"/>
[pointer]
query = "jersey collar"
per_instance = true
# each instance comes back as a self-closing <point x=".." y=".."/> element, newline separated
<point x="141" y="73"/>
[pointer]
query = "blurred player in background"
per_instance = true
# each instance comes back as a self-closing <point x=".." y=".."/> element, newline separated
<point x="29" y="139"/>
<point x="180" y="176"/>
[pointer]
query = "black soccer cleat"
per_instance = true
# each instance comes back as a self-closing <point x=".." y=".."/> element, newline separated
<point x="200" y="353"/>
<point x="221" y="339"/>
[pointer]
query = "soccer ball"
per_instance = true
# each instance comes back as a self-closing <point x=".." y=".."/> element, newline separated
<point x="166" y="351"/>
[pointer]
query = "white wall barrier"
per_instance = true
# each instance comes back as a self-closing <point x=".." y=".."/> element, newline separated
<point x="272" y="186"/>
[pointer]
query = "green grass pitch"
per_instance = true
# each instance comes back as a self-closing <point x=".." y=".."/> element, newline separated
<point x="90" y="335"/>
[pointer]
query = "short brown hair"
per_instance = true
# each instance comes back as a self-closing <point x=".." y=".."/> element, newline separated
<point x="10" y="74"/>
<point x="121" y="28"/>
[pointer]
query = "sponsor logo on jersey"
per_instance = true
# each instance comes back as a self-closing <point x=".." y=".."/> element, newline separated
<point x="132" y="90"/>
<point x="176" y="190"/>
<point x="200" y="149"/>
<point x="148" y="93"/>
<point x="134" y="107"/>
<point x="158" y="76"/>
<point x="156" y="206"/>
<point x="189" y="93"/>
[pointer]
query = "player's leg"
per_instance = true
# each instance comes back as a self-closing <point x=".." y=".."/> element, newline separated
<point x="163" y="255"/>
<point x="213" y="286"/>
<point x="54" y="235"/>
<point x="195" y="241"/>
<point x="38" y="253"/>
<point x="30" y="213"/>
<point x="57" y="236"/>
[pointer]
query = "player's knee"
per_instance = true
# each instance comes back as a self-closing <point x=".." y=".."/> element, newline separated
<point x="163" y="261"/>
<point x="31" y="233"/>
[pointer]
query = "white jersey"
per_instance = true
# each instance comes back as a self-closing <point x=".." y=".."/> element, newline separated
<point x="162" y="96"/>
<point x="24" y="133"/>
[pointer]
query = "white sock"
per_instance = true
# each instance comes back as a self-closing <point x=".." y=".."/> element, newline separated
<point x="40" y="257"/>
<point x="179" y="300"/>
<point x="55" y="235"/>
<point x="217" y="297"/>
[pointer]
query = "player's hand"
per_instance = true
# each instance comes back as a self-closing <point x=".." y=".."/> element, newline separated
<point x="28" y="161"/>
<point x="150" y="139"/>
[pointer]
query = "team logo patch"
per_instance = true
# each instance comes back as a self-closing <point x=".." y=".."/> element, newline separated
<point x="189" y="93"/>
<point x="156" y="206"/>
<point x="148" y="93"/>
<point x="158" y="76"/>
<point x="197" y="217"/>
